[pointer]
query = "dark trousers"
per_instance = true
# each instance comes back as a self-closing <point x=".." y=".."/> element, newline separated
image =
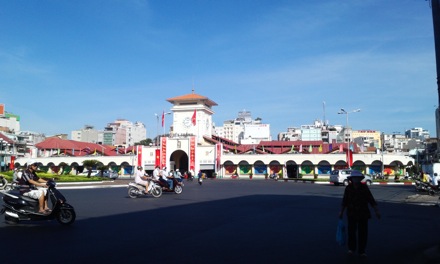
<point x="357" y="234"/>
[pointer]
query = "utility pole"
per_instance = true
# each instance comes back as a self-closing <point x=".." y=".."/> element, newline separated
<point x="435" y="5"/>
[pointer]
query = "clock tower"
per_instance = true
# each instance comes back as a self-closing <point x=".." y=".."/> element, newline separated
<point x="192" y="114"/>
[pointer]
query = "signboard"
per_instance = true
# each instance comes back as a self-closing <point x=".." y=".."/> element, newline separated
<point x="163" y="152"/>
<point x="192" y="153"/>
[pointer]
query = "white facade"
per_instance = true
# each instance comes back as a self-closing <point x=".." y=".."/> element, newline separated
<point x="254" y="133"/>
<point x="87" y="134"/>
<point x="11" y="123"/>
<point x="245" y="130"/>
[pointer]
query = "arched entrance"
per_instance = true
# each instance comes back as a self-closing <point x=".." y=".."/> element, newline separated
<point x="292" y="169"/>
<point x="179" y="160"/>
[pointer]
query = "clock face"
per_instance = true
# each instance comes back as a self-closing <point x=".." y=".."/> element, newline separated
<point x="187" y="122"/>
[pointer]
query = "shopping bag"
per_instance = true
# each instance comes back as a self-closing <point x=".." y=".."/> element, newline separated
<point x="340" y="233"/>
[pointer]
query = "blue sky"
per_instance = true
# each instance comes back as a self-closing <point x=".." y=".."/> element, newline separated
<point x="64" y="64"/>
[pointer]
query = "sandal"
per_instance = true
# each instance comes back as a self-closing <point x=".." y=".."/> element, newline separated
<point x="48" y="210"/>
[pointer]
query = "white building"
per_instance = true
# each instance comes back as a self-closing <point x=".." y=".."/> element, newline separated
<point x="87" y="134"/>
<point x="417" y="132"/>
<point x="244" y="129"/>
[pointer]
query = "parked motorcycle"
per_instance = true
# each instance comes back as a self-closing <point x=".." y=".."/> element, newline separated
<point x="18" y="207"/>
<point x="421" y="186"/>
<point x="274" y="176"/>
<point x="4" y="184"/>
<point x="136" y="190"/>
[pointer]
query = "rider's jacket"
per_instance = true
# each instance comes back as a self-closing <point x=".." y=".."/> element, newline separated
<point x="25" y="186"/>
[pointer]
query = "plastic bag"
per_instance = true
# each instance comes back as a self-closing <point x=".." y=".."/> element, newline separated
<point x="340" y="233"/>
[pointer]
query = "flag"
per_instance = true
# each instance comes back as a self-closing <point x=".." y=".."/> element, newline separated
<point x="341" y="148"/>
<point x="320" y="148"/>
<point x="94" y="153"/>
<point x="330" y="147"/>
<point x="73" y="152"/>
<point x="293" y="148"/>
<point x="310" y="148"/>
<point x="301" y="148"/>
<point x="193" y="118"/>
<point x="163" y="118"/>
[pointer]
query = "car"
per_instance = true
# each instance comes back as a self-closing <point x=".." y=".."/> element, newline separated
<point x="340" y="177"/>
<point x="86" y="173"/>
<point x="106" y="174"/>
<point x="110" y="174"/>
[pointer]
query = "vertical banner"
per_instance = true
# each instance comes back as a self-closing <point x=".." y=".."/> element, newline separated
<point x="163" y="152"/>
<point x="139" y="155"/>
<point x="192" y="154"/>
<point x="157" y="158"/>
<point x="218" y="156"/>
<point x="12" y="165"/>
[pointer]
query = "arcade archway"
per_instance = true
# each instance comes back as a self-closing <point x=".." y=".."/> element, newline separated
<point x="179" y="160"/>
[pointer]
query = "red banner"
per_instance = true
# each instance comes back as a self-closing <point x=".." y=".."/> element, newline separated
<point x="163" y="152"/>
<point x="12" y="165"/>
<point x="192" y="153"/>
<point x="349" y="155"/>
<point x="218" y="156"/>
<point x="157" y="158"/>
<point x="139" y="155"/>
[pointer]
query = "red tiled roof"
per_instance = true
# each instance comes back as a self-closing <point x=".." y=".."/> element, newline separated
<point x="75" y="148"/>
<point x="192" y="97"/>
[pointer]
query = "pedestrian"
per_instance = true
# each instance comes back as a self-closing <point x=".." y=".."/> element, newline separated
<point x="357" y="197"/>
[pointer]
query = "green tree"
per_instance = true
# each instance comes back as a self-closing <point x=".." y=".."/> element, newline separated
<point x="145" y="142"/>
<point x="89" y="164"/>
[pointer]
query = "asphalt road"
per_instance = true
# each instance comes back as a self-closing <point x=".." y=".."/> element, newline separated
<point x="222" y="222"/>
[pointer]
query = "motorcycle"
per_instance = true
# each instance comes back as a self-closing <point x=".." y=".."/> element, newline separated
<point x="136" y="190"/>
<point x="177" y="186"/>
<point x="4" y="184"/>
<point x="274" y="177"/>
<point x="421" y="186"/>
<point x="18" y="207"/>
<point x="200" y="180"/>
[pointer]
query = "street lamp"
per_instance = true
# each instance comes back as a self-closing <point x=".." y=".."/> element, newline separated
<point x="3" y="155"/>
<point x="164" y="126"/>
<point x="346" y="113"/>
<point x="157" y="130"/>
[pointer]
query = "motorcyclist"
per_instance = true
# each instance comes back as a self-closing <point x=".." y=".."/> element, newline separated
<point x="141" y="178"/>
<point x="165" y="178"/>
<point x="29" y="183"/>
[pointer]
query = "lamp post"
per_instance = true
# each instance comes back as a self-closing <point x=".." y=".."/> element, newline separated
<point x="157" y="130"/>
<point x="346" y="113"/>
<point x="2" y="155"/>
<point x="164" y="125"/>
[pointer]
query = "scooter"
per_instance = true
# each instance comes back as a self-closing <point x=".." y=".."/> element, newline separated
<point x="18" y="207"/>
<point x="136" y="190"/>
<point x="200" y="180"/>
<point x="177" y="186"/>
